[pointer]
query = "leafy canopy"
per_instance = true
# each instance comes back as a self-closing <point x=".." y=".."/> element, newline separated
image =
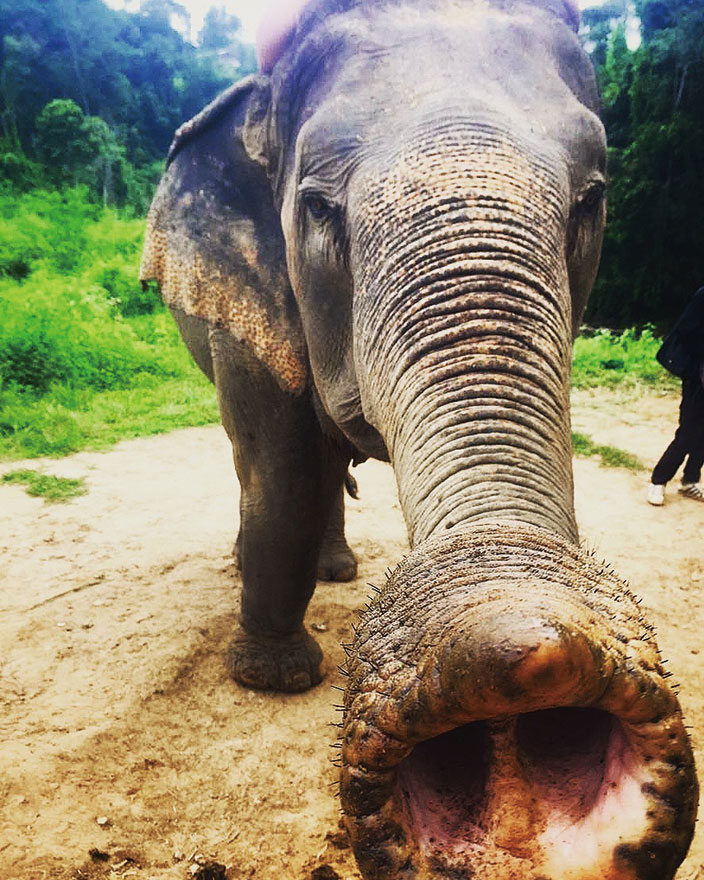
<point x="653" y="109"/>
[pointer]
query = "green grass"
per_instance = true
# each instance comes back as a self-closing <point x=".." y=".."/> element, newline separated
<point x="87" y="357"/>
<point x="606" y="359"/>
<point x="64" y="420"/>
<point x="52" y="489"/>
<point x="609" y="456"/>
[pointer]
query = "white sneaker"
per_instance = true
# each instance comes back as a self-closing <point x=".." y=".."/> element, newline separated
<point x="656" y="494"/>
<point x="692" y="490"/>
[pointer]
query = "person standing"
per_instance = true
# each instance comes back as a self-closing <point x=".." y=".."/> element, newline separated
<point x="682" y="353"/>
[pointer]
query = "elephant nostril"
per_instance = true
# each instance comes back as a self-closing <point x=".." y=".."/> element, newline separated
<point x="566" y="757"/>
<point x="568" y="753"/>
<point x="443" y="783"/>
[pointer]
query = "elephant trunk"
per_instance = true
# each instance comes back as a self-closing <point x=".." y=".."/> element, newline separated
<point x="506" y="715"/>
<point x="462" y="331"/>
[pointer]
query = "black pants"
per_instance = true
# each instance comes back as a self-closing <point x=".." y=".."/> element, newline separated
<point x="689" y="439"/>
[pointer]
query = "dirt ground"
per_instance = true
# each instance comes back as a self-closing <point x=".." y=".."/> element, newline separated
<point x="125" y="751"/>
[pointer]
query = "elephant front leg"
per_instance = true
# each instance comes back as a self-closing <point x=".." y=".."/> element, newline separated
<point x="283" y="519"/>
<point x="290" y="475"/>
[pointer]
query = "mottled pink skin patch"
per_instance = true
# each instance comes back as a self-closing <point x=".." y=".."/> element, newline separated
<point x="277" y="25"/>
<point x="543" y="814"/>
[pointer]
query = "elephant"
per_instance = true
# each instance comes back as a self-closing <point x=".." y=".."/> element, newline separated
<point x="381" y="246"/>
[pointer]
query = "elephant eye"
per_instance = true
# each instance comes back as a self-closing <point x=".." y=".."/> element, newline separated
<point x="592" y="198"/>
<point x="586" y="216"/>
<point x="316" y="205"/>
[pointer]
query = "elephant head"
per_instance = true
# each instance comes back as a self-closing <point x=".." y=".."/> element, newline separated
<point x="404" y="213"/>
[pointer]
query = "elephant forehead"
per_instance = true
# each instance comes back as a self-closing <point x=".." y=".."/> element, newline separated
<point x="280" y="19"/>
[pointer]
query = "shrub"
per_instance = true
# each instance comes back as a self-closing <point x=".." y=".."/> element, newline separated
<point x="605" y="358"/>
<point x="119" y="279"/>
<point x="55" y="330"/>
<point x="17" y="172"/>
<point x="45" y="226"/>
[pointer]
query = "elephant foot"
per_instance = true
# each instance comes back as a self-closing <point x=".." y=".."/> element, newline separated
<point x="286" y="663"/>
<point x="337" y="563"/>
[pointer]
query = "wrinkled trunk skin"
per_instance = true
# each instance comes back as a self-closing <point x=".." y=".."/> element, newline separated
<point x="507" y="716"/>
<point x="463" y="331"/>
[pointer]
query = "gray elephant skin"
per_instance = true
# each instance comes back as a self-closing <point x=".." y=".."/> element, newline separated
<point x="382" y="246"/>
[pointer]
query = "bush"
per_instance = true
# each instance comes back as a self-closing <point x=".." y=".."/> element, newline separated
<point x="119" y="279"/>
<point x="605" y="358"/>
<point x="17" y="172"/>
<point x="72" y="310"/>
<point x="56" y="330"/>
<point x="44" y="226"/>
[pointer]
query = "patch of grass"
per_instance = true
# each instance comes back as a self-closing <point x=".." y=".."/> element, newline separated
<point x="612" y="456"/>
<point x="603" y="358"/>
<point x="66" y="330"/>
<point x="609" y="456"/>
<point x="52" y="489"/>
<point x="582" y="444"/>
<point x="66" y="420"/>
<point x="87" y="357"/>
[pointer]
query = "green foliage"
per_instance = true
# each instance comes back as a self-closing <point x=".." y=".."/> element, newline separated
<point x="653" y="99"/>
<point x="17" y="172"/>
<point x="117" y="279"/>
<point x="598" y="23"/>
<point x="91" y="96"/>
<point x="131" y="69"/>
<point x="604" y="358"/>
<point x="609" y="456"/>
<point x="62" y="140"/>
<point x="79" y="149"/>
<point x="43" y="226"/>
<point x="86" y="356"/>
<point x="66" y="420"/>
<point x="52" y="489"/>
<point x="67" y="330"/>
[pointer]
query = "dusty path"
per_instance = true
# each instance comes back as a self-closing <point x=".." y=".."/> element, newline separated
<point x="115" y="610"/>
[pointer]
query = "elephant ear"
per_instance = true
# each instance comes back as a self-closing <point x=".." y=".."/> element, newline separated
<point x="214" y="242"/>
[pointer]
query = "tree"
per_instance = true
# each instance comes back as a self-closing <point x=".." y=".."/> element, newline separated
<point x="61" y="140"/>
<point x="221" y="37"/>
<point x="79" y="149"/>
<point x="597" y="24"/>
<point x="654" y="116"/>
<point x="220" y="29"/>
<point x="18" y="56"/>
<point x="133" y="69"/>
<point x="103" y="170"/>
